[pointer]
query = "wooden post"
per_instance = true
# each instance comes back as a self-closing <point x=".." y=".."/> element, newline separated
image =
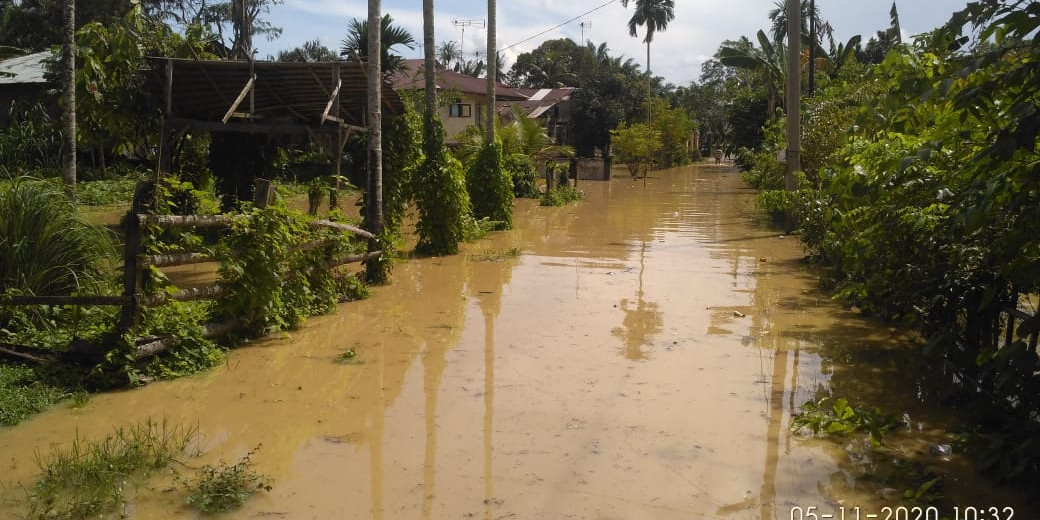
<point x="264" y="193"/>
<point x="131" y="274"/>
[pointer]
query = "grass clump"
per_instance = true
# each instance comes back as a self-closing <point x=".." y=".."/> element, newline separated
<point x="348" y="356"/>
<point x="560" y="196"/>
<point x="223" y="487"/>
<point x="87" y="479"/>
<point x="23" y="395"/>
<point x="491" y="255"/>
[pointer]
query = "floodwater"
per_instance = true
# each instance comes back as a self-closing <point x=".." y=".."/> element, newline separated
<point x="640" y="359"/>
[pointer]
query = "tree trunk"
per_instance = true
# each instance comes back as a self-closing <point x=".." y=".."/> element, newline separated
<point x="649" y="88"/>
<point x="428" y="56"/>
<point x="375" y="119"/>
<point x="70" y="99"/>
<point x="794" y="87"/>
<point x="489" y="135"/>
<point x="242" y="47"/>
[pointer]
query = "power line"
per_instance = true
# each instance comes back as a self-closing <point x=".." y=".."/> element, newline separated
<point x="557" y="26"/>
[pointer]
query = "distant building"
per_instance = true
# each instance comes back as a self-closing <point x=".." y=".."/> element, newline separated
<point x="468" y="107"/>
<point x="22" y="78"/>
<point x="550" y="105"/>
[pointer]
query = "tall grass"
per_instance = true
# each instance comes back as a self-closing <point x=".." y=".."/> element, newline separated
<point x="87" y="479"/>
<point x="46" y="248"/>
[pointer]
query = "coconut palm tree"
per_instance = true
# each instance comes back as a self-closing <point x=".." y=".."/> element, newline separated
<point x="767" y="60"/>
<point x="655" y="15"/>
<point x="374" y="200"/>
<point x="810" y="13"/>
<point x="448" y="53"/>
<point x="391" y="36"/>
<point x="69" y="51"/>
<point x="429" y="65"/>
<point x="492" y="67"/>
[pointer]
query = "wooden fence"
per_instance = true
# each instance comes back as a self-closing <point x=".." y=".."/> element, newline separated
<point x="136" y="263"/>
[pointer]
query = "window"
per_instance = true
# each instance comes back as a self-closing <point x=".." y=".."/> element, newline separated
<point x="460" y="110"/>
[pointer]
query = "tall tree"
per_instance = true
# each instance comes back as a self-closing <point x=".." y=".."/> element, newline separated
<point x="310" y="51"/>
<point x="374" y="202"/>
<point x="70" y="98"/>
<point x="430" y="66"/>
<point x="391" y="36"/>
<point x="492" y="68"/>
<point x="810" y="16"/>
<point x="243" y="19"/>
<point x="767" y="61"/>
<point x="655" y="15"/>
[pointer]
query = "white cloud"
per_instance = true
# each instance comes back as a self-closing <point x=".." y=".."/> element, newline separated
<point x="698" y="29"/>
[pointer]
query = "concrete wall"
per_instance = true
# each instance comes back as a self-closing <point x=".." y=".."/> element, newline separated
<point x="593" y="170"/>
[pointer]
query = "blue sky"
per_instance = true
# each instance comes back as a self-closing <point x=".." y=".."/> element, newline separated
<point x="676" y="54"/>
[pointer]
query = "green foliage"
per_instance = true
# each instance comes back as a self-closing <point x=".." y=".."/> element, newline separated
<point x="273" y="281"/>
<point x="837" y="417"/>
<point x="88" y="478"/>
<point x="490" y="187"/>
<point x="224" y="488"/>
<point x="348" y="356"/>
<point x="521" y="169"/>
<point x="22" y="394"/>
<point x="191" y="351"/>
<point x="112" y="106"/>
<point x="675" y="126"/>
<point x="32" y="140"/>
<point x="636" y="145"/>
<point x="560" y="195"/>
<point x="104" y="193"/>
<point x="47" y="248"/>
<point x="440" y="195"/>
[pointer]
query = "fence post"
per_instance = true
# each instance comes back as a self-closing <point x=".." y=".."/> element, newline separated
<point x="131" y="274"/>
<point x="264" y="193"/>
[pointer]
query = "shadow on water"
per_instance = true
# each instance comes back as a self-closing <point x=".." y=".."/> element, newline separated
<point x="642" y="358"/>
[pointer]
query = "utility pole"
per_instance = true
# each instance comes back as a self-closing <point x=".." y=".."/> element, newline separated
<point x="585" y="24"/>
<point x="69" y="78"/>
<point x="462" y="24"/>
<point x="793" y="102"/>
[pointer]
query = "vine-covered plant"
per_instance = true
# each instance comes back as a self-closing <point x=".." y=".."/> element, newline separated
<point x="274" y="273"/>
<point x="490" y="187"/>
<point x="440" y="194"/>
<point x="521" y="169"/>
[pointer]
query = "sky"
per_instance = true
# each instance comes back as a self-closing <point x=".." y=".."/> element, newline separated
<point x="676" y="54"/>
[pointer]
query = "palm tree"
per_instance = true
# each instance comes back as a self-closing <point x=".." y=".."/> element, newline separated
<point x="492" y="67"/>
<point x="374" y="201"/>
<point x="655" y="15"/>
<point x="310" y="51"/>
<point x="810" y="12"/>
<point x="448" y="53"/>
<point x="768" y="61"/>
<point x="69" y="175"/>
<point x="429" y="65"/>
<point x="391" y="36"/>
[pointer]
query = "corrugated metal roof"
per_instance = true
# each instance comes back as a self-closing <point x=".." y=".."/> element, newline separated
<point x="24" y="69"/>
<point x="283" y="92"/>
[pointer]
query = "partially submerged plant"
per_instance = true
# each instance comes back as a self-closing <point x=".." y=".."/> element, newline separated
<point x="223" y="487"/>
<point x="824" y="417"/>
<point x="88" y="478"/>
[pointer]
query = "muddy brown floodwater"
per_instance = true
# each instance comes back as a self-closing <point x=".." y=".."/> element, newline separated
<point x="640" y="359"/>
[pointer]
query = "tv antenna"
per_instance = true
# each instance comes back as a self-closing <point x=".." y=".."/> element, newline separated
<point x="462" y="24"/>
<point x="585" y="24"/>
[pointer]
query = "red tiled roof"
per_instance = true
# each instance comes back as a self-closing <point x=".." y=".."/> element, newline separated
<point x="411" y="77"/>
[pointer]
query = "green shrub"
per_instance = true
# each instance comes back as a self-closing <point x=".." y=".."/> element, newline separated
<point x="440" y="195"/>
<point x="223" y="488"/>
<point x="490" y="187"/>
<point x="521" y="169"/>
<point x="560" y="195"/>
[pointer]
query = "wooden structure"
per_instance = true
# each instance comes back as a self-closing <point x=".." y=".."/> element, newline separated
<point x="325" y="100"/>
<point x="136" y="263"/>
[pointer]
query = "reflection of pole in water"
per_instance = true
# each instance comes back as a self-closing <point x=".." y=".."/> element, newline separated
<point x="375" y="443"/>
<point x="489" y="402"/>
<point x="767" y="496"/>
<point x="433" y="370"/>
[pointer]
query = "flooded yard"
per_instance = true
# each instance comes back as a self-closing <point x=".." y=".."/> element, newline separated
<point x="640" y="358"/>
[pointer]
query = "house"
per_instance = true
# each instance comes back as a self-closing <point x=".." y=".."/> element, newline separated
<point x="469" y="95"/>
<point x="22" y="78"/>
<point x="552" y="106"/>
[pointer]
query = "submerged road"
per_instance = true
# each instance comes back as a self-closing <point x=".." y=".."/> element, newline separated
<point x="640" y="358"/>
